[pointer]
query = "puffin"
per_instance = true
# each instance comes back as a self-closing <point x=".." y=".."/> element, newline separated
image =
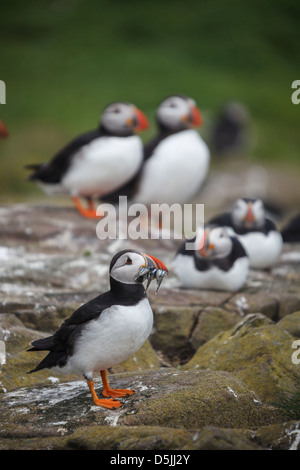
<point x="291" y="231"/>
<point x="213" y="259"/>
<point x="3" y="130"/>
<point x="176" y="160"/>
<point x="108" y="329"/>
<point x="258" y="234"/>
<point x="230" y="133"/>
<point x="96" y="162"/>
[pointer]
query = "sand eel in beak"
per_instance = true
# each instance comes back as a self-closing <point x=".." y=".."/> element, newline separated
<point x="258" y="234"/>
<point x="108" y="329"/>
<point x="217" y="261"/>
<point x="176" y="160"/>
<point x="97" y="162"/>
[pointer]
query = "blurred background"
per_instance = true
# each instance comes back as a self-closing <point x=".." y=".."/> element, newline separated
<point x="64" y="60"/>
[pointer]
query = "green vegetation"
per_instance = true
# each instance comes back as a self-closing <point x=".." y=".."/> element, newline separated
<point x="63" y="61"/>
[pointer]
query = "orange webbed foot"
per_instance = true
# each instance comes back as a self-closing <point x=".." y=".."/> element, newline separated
<point x="111" y="392"/>
<point x="117" y="392"/>
<point x="111" y="404"/>
<point x="108" y="403"/>
<point x="90" y="213"/>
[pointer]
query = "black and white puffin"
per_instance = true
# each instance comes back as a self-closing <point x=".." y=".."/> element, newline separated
<point x="257" y="233"/>
<point x="3" y="130"/>
<point x="212" y="260"/>
<point x="108" y="329"/>
<point x="291" y="231"/>
<point x="176" y="161"/>
<point x="99" y="161"/>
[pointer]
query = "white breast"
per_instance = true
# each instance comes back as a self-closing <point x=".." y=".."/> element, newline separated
<point x="263" y="250"/>
<point x="112" y="338"/>
<point x="214" y="278"/>
<point x="175" y="171"/>
<point x="103" y="165"/>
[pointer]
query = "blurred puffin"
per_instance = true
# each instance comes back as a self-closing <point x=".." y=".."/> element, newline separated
<point x="3" y="130"/>
<point x="108" y="329"/>
<point x="99" y="161"/>
<point x="257" y="233"/>
<point x="176" y="161"/>
<point x="230" y="133"/>
<point x="214" y="260"/>
<point x="291" y="231"/>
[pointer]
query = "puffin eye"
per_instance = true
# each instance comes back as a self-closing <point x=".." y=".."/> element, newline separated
<point x="117" y="110"/>
<point x="172" y="105"/>
<point x="128" y="261"/>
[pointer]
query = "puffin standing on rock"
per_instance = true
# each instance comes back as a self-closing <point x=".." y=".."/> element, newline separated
<point x="176" y="161"/>
<point x="258" y="234"/>
<point x="214" y="260"/>
<point x="108" y="329"/>
<point x="96" y="162"/>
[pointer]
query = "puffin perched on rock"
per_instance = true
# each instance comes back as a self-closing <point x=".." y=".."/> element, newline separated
<point x="212" y="260"/>
<point x="176" y="160"/>
<point x="108" y="329"/>
<point x="96" y="162"/>
<point x="3" y="130"/>
<point x="258" y="234"/>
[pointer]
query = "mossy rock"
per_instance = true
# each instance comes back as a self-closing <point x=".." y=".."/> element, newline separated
<point x="212" y="321"/>
<point x="291" y="324"/>
<point x="165" y="398"/>
<point x="256" y="351"/>
<point x="172" y="329"/>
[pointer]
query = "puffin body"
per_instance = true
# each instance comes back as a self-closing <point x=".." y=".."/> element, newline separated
<point x="217" y="261"/>
<point x="176" y="160"/>
<point x="108" y="329"/>
<point x="100" y="166"/>
<point x="175" y="171"/>
<point x="258" y="234"/>
<point x="99" y="161"/>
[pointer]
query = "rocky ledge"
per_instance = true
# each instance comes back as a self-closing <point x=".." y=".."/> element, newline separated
<point x="219" y="371"/>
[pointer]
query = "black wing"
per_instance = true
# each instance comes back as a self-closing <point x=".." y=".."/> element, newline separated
<point x="61" y="344"/>
<point x="53" y="171"/>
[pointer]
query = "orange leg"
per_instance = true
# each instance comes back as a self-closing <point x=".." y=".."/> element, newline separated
<point x="90" y="212"/>
<point x="114" y="393"/>
<point x="105" y="402"/>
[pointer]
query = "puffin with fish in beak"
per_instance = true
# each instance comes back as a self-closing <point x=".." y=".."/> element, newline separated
<point x="108" y="329"/>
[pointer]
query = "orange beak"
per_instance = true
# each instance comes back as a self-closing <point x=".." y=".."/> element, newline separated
<point x="249" y="219"/>
<point x="153" y="269"/>
<point x="205" y="245"/>
<point x="196" y="120"/>
<point x="142" y="121"/>
<point x="3" y="130"/>
<point x="155" y="262"/>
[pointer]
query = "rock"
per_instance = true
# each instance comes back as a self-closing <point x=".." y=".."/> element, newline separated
<point x="51" y="262"/>
<point x="284" y="436"/>
<point x="256" y="351"/>
<point x="291" y="324"/>
<point x="172" y="330"/>
<point x="212" y="321"/>
<point x="167" y="401"/>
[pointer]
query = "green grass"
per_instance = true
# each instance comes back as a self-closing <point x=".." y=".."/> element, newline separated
<point x="63" y="61"/>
